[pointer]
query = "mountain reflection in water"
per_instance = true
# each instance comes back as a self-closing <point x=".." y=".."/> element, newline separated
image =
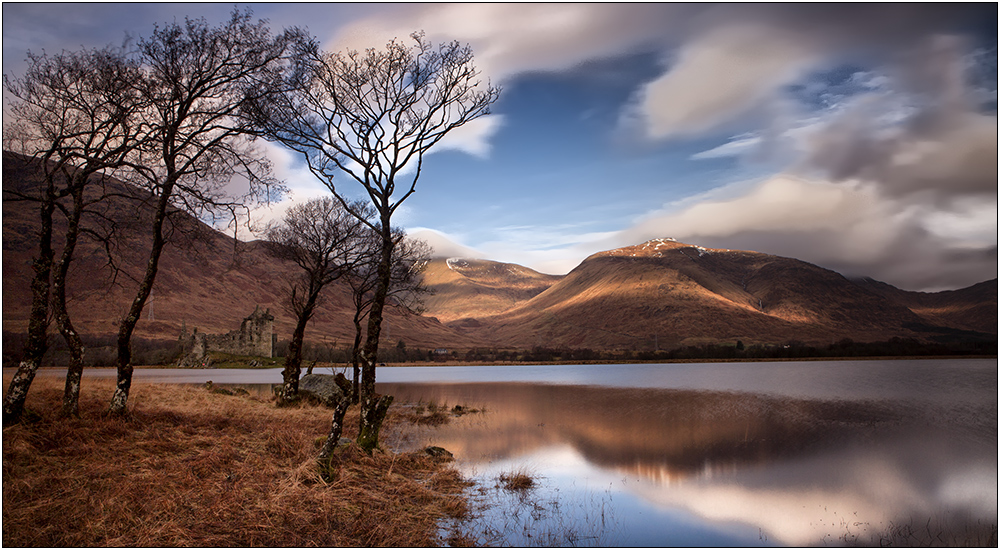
<point x="797" y="471"/>
<point x="673" y="432"/>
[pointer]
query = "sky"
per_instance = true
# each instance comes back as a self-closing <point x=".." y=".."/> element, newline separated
<point x="858" y="137"/>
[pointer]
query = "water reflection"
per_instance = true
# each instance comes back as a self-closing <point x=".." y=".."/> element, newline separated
<point x="790" y="471"/>
<point x="659" y="434"/>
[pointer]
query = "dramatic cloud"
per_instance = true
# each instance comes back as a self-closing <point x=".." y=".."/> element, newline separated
<point x="736" y="59"/>
<point x="509" y="39"/>
<point x="942" y="146"/>
<point x="849" y="227"/>
<point x="719" y="76"/>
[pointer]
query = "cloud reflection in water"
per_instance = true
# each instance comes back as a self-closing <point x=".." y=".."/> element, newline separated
<point x="803" y="471"/>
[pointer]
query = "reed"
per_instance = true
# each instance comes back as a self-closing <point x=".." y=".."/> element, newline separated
<point x="517" y="480"/>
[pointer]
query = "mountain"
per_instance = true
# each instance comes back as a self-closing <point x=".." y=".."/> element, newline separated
<point x="466" y="290"/>
<point x="972" y="308"/>
<point x="656" y="295"/>
<point x="663" y="294"/>
<point x="206" y="280"/>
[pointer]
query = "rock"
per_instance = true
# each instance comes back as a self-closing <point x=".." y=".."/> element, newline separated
<point x="325" y="388"/>
<point x="439" y="452"/>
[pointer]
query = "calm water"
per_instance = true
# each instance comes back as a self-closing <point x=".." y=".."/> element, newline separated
<point x="724" y="454"/>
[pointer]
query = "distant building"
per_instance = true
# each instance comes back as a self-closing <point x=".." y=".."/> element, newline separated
<point x="254" y="337"/>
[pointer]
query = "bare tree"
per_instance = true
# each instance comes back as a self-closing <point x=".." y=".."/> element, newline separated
<point x="74" y="116"/>
<point x="196" y="79"/>
<point x="325" y="240"/>
<point x="406" y="288"/>
<point x="372" y="116"/>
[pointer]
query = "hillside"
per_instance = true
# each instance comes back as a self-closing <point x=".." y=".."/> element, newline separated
<point x="207" y="280"/>
<point x="971" y="308"/>
<point x="465" y="290"/>
<point x="663" y="294"/>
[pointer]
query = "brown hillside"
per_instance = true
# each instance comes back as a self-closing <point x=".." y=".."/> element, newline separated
<point x="465" y="290"/>
<point x="666" y="294"/>
<point x="656" y="295"/>
<point x="206" y="280"/>
<point x="972" y="308"/>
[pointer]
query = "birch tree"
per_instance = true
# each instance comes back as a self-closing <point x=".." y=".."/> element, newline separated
<point x="326" y="242"/>
<point x="74" y="117"/>
<point x="196" y="79"/>
<point x="372" y="117"/>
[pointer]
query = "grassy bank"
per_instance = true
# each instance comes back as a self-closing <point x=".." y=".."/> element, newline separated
<point x="196" y="468"/>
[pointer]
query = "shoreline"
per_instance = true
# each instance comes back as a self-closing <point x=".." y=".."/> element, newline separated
<point x="542" y="363"/>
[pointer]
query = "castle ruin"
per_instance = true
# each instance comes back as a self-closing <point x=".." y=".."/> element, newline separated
<point x="254" y="337"/>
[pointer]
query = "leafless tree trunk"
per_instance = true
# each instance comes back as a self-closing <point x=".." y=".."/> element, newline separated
<point x="34" y="349"/>
<point x="325" y="241"/>
<point x="368" y="116"/>
<point x="72" y="113"/>
<point x="406" y="288"/>
<point x="74" y="372"/>
<point x="197" y="78"/>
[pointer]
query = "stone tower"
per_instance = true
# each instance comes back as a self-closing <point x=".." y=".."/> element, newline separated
<point x="256" y="333"/>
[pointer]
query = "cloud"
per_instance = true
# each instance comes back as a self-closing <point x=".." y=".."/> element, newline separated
<point x="850" y="227"/>
<point x="720" y="76"/>
<point x="473" y="137"/>
<point x="941" y="145"/>
<point x="510" y="39"/>
<point x="443" y="245"/>
<point x="736" y="59"/>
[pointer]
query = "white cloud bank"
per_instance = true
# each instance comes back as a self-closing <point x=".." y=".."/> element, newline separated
<point x="912" y="202"/>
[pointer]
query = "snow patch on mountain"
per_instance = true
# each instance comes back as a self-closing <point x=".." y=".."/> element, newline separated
<point x="456" y="262"/>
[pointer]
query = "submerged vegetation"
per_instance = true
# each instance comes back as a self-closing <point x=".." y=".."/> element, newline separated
<point x="210" y="469"/>
<point x="516" y="480"/>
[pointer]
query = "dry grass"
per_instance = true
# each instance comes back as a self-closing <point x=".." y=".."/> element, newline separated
<point x="433" y="414"/>
<point x="194" y="468"/>
<point x="517" y="480"/>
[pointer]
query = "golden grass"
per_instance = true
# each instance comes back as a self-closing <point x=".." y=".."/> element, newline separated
<point x="518" y="480"/>
<point x="194" y="468"/>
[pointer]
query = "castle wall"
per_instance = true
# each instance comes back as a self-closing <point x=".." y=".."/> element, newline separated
<point x="254" y="337"/>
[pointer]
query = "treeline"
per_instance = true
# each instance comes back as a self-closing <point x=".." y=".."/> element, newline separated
<point x="333" y="353"/>
<point x="895" y="347"/>
<point x="100" y="351"/>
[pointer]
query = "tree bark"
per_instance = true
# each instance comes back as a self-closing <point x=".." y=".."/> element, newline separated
<point x="373" y="406"/>
<point x="293" y="362"/>
<point x="74" y="373"/>
<point x="356" y="359"/>
<point x="35" y="347"/>
<point x="119" y="399"/>
<point x="336" y="428"/>
<point x="373" y="410"/>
